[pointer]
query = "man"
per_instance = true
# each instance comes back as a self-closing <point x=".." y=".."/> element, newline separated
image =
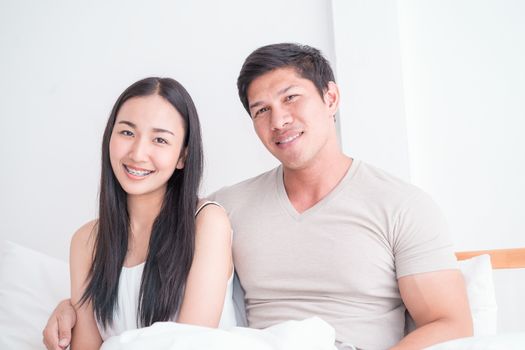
<point x="327" y="235"/>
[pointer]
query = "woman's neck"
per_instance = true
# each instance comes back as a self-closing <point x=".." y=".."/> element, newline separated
<point x="143" y="210"/>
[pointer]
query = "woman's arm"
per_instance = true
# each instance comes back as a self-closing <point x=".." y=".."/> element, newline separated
<point x="211" y="268"/>
<point x="85" y="333"/>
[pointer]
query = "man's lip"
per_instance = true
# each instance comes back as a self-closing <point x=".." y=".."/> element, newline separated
<point x="287" y="137"/>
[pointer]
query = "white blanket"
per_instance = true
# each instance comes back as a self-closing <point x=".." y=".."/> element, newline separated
<point x="310" y="334"/>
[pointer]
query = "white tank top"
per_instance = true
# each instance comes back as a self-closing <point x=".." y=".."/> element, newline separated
<point x="125" y="318"/>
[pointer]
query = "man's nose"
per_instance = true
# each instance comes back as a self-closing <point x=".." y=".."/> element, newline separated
<point x="281" y="117"/>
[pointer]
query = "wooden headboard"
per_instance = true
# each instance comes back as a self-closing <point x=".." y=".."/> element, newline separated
<point x="500" y="258"/>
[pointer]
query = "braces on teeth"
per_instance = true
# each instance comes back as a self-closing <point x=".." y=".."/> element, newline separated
<point x="137" y="172"/>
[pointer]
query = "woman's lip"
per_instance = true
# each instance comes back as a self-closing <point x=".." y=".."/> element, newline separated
<point x="136" y="168"/>
<point x="135" y="173"/>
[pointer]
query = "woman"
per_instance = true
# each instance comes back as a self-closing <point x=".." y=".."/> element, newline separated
<point x="155" y="253"/>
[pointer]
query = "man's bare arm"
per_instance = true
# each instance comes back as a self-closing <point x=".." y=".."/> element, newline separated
<point x="57" y="334"/>
<point x="437" y="301"/>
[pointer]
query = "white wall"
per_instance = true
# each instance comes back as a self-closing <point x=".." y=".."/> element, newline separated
<point x="465" y="100"/>
<point x="368" y="64"/>
<point x="64" y="63"/>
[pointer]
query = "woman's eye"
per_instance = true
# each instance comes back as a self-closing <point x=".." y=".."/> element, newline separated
<point x="126" y="133"/>
<point x="290" y="97"/>
<point x="160" y="140"/>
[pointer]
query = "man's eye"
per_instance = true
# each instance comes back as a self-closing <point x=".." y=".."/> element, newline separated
<point x="290" y="98"/>
<point x="261" y="111"/>
<point x="160" y="140"/>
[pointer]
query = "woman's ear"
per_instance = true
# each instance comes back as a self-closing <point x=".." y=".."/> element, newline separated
<point x="182" y="159"/>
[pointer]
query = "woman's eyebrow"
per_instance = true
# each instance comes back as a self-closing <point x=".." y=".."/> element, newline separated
<point x="132" y="125"/>
<point x="162" y="130"/>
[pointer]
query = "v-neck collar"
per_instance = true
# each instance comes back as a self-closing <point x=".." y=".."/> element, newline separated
<point x="290" y="209"/>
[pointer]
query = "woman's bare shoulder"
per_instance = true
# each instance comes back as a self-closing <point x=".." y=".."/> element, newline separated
<point x="83" y="240"/>
<point x="211" y="214"/>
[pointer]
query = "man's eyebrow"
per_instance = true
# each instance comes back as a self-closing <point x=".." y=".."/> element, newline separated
<point x="255" y="104"/>
<point x="285" y="90"/>
<point x="132" y="125"/>
<point x="280" y="92"/>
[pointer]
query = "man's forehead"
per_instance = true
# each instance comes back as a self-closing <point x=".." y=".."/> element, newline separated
<point x="283" y="72"/>
<point x="276" y="81"/>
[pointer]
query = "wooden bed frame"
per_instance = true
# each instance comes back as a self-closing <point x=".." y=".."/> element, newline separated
<point x="500" y="258"/>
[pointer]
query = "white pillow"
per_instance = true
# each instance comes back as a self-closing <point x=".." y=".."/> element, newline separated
<point x="480" y="289"/>
<point x="31" y="285"/>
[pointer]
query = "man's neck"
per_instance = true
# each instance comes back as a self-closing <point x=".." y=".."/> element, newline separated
<point x="306" y="187"/>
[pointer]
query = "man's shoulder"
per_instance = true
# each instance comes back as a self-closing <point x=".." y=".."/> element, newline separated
<point x="374" y="182"/>
<point x="373" y="173"/>
<point x="248" y="189"/>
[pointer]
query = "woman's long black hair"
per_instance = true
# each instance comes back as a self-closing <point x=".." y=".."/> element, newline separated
<point x="172" y="241"/>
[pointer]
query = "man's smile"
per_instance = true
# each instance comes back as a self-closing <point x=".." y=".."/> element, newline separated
<point x="285" y="139"/>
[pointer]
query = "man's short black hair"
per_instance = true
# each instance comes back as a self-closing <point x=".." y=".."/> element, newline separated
<point x="308" y="62"/>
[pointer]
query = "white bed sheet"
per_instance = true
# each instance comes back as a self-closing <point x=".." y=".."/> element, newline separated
<point x="310" y="334"/>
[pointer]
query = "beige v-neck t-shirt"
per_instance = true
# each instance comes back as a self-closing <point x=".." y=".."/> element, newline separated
<point x="340" y="259"/>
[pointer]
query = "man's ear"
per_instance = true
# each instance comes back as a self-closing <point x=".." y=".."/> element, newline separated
<point x="182" y="158"/>
<point x="331" y="97"/>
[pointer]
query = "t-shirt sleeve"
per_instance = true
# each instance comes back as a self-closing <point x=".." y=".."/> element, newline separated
<point x="421" y="238"/>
